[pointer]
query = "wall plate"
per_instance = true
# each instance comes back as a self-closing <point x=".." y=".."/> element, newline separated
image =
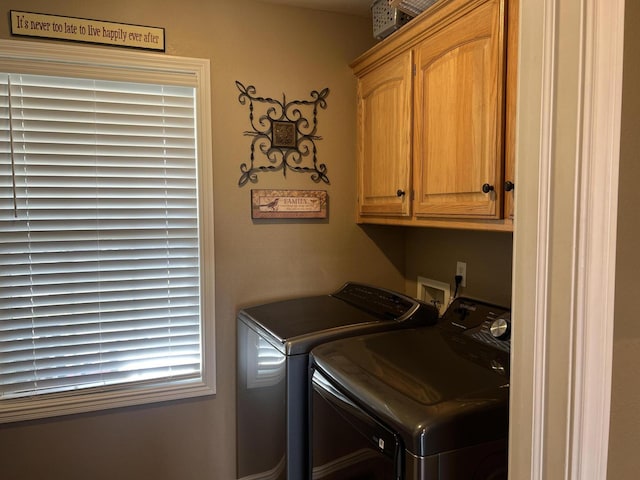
<point x="434" y="292"/>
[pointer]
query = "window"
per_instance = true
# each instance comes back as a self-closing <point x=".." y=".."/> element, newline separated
<point x="105" y="229"/>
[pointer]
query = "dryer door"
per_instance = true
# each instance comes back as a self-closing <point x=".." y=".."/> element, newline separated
<point x="348" y="443"/>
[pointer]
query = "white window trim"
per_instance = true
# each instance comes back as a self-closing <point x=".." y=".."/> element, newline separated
<point x="590" y="292"/>
<point x="87" y="62"/>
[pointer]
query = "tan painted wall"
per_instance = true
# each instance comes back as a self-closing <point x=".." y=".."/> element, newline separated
<point x="433" y="253"/>
<point x="278" y="50"/>
<point x="624" y="461"/>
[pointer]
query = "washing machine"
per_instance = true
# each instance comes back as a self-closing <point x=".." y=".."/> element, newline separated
<point x="273" y="383"/>
<point x="416" y="404"/>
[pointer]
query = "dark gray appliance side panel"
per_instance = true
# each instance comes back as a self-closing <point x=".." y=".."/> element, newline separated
<point x="297" y="416"/>
<point x="261" y="439"/>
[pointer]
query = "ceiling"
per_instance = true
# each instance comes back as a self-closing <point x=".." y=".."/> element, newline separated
<point x="361" y="8"/>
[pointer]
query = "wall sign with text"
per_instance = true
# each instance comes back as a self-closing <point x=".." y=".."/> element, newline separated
<point x="84" y="30"/>
<point x="288" y="204"/>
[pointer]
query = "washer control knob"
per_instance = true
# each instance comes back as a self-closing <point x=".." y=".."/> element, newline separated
<point x="500" y="328"/>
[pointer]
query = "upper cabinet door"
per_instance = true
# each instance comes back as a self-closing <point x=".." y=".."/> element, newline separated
<point x="384" y="143"/>
<point x="513" y="16"/>
<point x="458" y="124"/>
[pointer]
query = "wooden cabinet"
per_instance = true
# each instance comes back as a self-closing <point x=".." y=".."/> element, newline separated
<point x="384" y="139"/>
<point x="458" y="117"/>
<point x="513" y="14"/>
<point x="431" y="120"/>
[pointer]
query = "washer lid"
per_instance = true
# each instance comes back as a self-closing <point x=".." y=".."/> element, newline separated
<point x="439" y="390"/>
<point x="295" y="326"/>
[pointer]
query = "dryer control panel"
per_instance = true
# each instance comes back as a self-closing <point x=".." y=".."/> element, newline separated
<point x="484" y="322"/>
<point x="387" y="304"/>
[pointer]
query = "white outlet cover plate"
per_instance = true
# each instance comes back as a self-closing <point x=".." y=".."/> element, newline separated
<point x="424" y="282"/>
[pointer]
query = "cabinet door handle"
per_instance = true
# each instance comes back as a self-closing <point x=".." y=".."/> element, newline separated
<point x="486" y="188"/>
<point x="400" y="193"/>
<point x="509" y="186"/>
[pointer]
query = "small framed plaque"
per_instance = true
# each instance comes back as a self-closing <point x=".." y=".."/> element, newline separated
<point x="284" y="134"/>
<point x="288" y="204"/>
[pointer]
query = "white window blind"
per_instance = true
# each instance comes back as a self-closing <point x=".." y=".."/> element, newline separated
<point x="99" y="235"/>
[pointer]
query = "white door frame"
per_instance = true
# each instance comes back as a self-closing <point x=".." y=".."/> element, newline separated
<point x="568" y="130"/>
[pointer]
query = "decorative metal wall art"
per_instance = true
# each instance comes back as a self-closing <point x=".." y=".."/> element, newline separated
<point x="283" y="134"/>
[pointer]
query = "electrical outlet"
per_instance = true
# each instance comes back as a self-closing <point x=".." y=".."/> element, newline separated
<point x="461" y="269"/>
